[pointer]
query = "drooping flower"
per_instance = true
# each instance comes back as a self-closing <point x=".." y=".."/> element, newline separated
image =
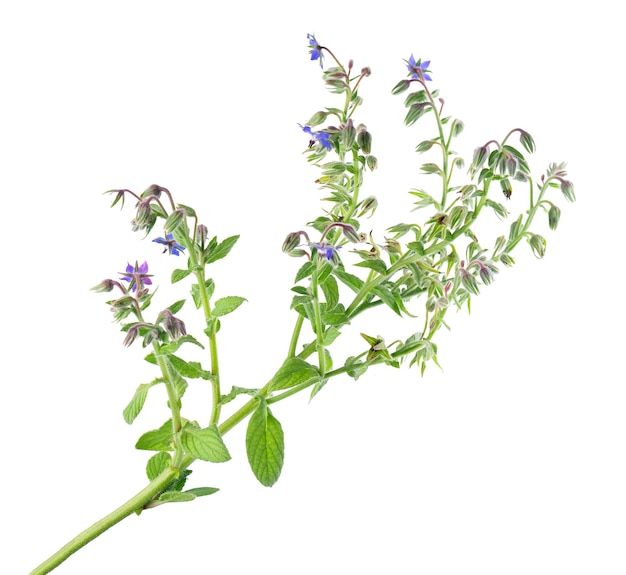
<point x="418" y="69"/>
<point x="170" y="245"/>
<point x="325" y="250"/>
<point x="321" y="137"/>
<point x="137" y="275"/>
<point x="315" y="49"/>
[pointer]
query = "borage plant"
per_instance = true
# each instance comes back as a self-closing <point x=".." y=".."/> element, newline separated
<point x="440" y="262"/>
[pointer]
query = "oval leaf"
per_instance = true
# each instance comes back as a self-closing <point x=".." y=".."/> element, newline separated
<point x="265" y="445"/>
<point x="226" y="305"/>
<point x="205" y="444"/>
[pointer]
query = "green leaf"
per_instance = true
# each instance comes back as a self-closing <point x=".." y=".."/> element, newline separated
<point x="178" y="275"/>
<point x="195" y="292"/>
<point x="235" y="391"/>
<point x="202" y="491"/>
<point x="352" y="281"/>
<point x="376" y="265"/>
<point x="132" y="410"/>
<point x="157" y="464"/>
<point x="176" y="306"/>
<point x="265" y="445"/>
<point x="176" y="497"/>
<point x="173" y="346"/>
<point x="191" y="369"/>
<point x="205" y="444"/>
<point x="331" y="292"/>
<point x="293" y="372"/>
<point x="227" y="305"/>
<point x="330" y="335"/>
<point x="305" y="270"/>
<point x="157" y="439"/>
<point x="213" y="254"/>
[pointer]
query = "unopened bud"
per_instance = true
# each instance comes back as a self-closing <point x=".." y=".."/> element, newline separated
<point x="364" y="140"/>
<point x="469" y="282"/>
<point x="568" y="190"/>
<point x="537" y="245"/>
<point x="554" y="215"/>
<point x="507" y="189"/>
<point x="366" y="71"/>
<point x="368" y="205"/>
<point x="202" y="233"/>
<point x="292" y="241"/>
<point x="175" y="219"/>
<point x="348" y="134"/>
<point x="104" y="286"/>
<point x="350" y="233"/>
<point x="317" y="119"/>
<point x="527" y="141"/>
<point x="372" y="162"/>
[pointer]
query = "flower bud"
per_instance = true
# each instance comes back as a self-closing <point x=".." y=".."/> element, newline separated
<point x="527" y="141"/>
<point x="292" y="241"/>
<point x="400" y="87"/>
<point x="537" y="245"/>
<point x="368" y="205"/>
<point x="485" y="275"/>
<point x="480" y="155"/>
<point x="507" y="189"/>
<point x="175" y="219"/>
<point x="172" y="325"/>
<point x="469" y="282"/>
<point x="393" y="246"/>
<point x="350" y="233"/>
<point x="202" y="233"/>
<point x="150" y="336"/>
<point x="554" y="215"/>
<point x="348" y="134"/>
<point x="366" y="71"/>
<point x="457" y="128"/>
<point x="317" y="119"/>
<point x="568" y="190"/>
<point x="104" y="286"/>
<point x="372" y="162"/>
<point x="507" y="260"/>
<point x="131" y="335"/>
<point x="364" y="140"/>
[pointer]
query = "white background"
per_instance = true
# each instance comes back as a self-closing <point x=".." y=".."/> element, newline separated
<point x="510" y="461"/>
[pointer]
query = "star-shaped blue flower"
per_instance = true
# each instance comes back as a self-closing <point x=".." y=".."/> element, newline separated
<point x="137" y="275"/>
<point x="321" y="137"/>
<point x="325" y="250"/>
<point x="418" y="69"/>
<point x="315" y="49"/>
<point x="171" y="245"/>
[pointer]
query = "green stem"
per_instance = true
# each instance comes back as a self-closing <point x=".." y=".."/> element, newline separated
<point x="133" y="505"/>
<point x="295" y="336"/>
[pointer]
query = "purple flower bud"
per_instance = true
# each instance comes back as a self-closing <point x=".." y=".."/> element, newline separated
<point x="104" y="286"/>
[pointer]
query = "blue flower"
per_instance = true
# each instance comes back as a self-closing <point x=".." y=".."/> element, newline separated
<point x="321" y="137"/>
<point x="418" y="69"/>
<point x="325" y="250"/>
<point x="137" y="275"/>
<point x="171" y="245"/>
<point x="315" y="49"/>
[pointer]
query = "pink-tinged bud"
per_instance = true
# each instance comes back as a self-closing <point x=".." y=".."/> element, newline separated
<point x="292" y="241"/>
<point x="152" y="335"/>
<point x="350" y="233"/>
<point x="202" y="233"/>
<point x="172" y="325"/>
<point x="104" y="286"/>
<point x="400" y="87"/>
<point x="568" y="190"/>
<point x="152" y="190"/>
<point x="366" y="71"/>
<point x="131" y="335"/>
<point x="527" y="141"/>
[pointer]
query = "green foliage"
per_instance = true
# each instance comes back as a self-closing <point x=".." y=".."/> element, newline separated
<point x="132" y="410"/>
<point x="226" y="305"/>
<point x="265" y="445"/>
<point x="294" y="371"/>
<point x="157" y="439"/>
<point x="205" y="444"/>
